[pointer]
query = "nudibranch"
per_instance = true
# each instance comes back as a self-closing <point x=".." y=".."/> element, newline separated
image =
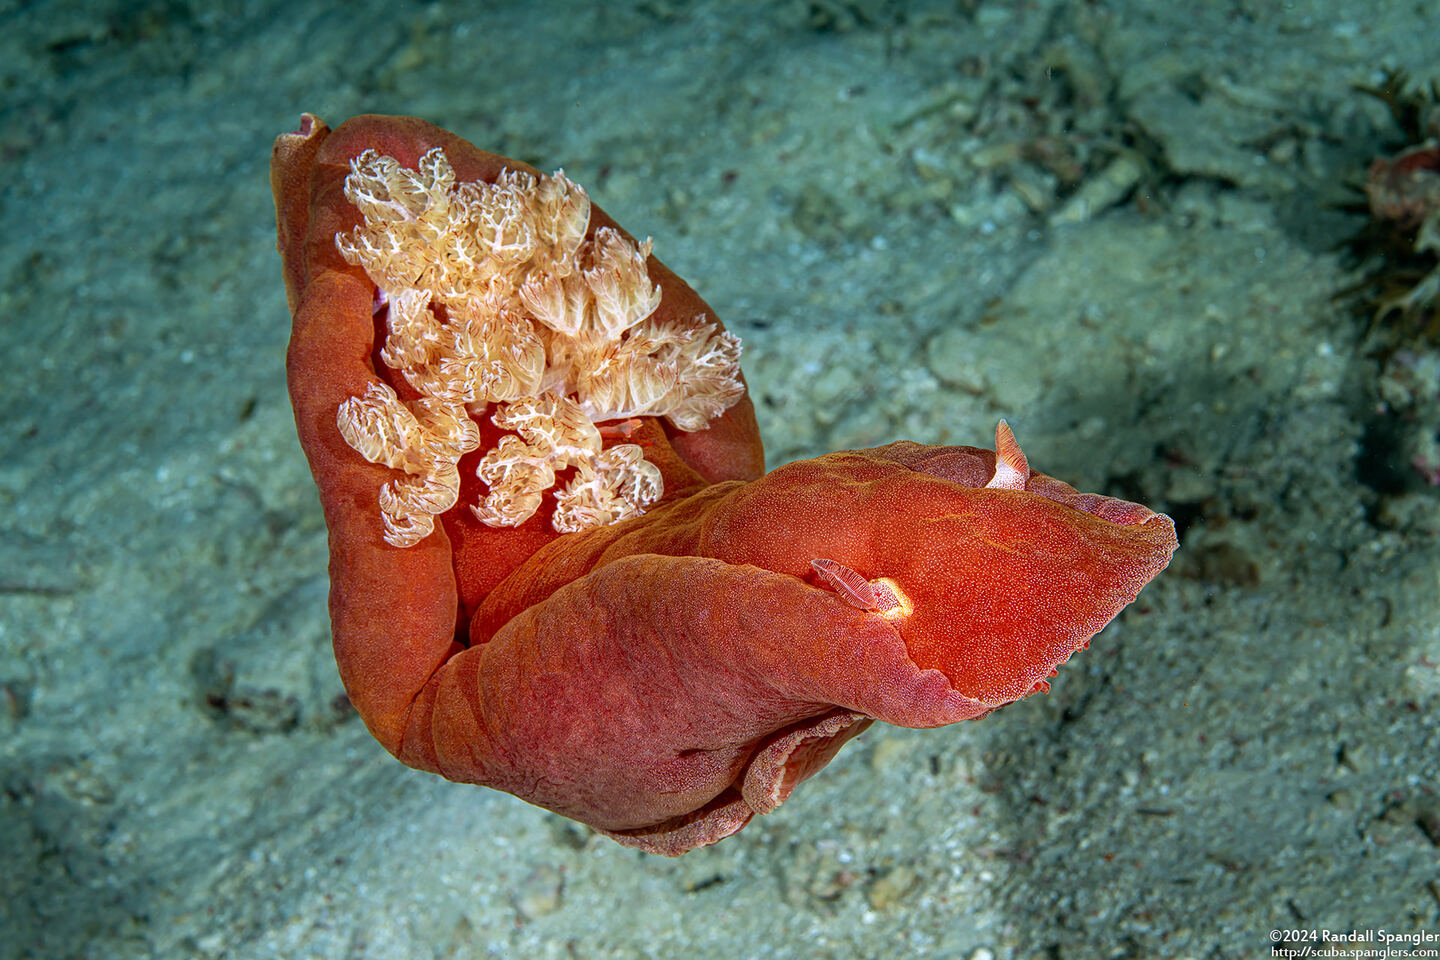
<point x="557" y="566"/>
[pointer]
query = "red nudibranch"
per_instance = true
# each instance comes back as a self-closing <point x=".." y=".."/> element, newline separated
<point x="706" y="637"/>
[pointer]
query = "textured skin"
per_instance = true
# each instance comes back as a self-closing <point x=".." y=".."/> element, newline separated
<point x="666" y="678"/>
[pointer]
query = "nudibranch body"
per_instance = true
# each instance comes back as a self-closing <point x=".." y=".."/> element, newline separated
<point x="664" y="675"/>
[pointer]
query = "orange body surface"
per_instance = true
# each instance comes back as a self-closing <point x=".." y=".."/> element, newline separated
<point x="667" y="677"/>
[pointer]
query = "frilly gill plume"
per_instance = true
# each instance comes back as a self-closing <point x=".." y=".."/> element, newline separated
<point x="495" y="296"/>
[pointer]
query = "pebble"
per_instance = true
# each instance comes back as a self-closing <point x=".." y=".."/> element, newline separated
<point x="891" y="888"/>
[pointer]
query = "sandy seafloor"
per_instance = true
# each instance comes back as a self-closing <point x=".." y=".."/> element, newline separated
<point x="1109" y="222"/>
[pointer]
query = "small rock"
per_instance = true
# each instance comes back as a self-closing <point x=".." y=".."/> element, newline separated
<point x="1342" y="798"/>
<point x="1102" y="191"/>
<point x="539" y="893"/>
<point x="891" y="888"/>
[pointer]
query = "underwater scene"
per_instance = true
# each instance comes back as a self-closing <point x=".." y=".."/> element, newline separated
<point x="828" y="479"/>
